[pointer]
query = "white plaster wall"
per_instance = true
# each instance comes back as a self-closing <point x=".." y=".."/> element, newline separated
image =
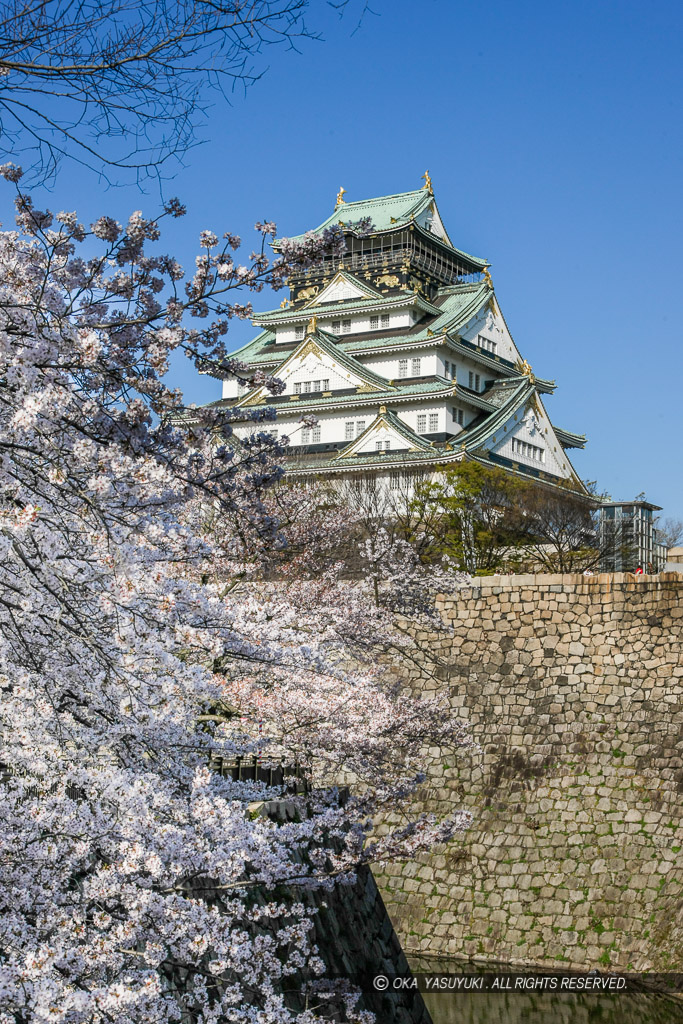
<point x="387" y="366"/>
<point x="491" y="325"/>
<point x="533" y="427"/>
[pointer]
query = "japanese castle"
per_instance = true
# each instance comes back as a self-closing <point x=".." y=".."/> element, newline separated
<point x="399" y="349"/>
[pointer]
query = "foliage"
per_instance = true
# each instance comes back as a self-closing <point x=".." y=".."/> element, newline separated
<point x="467" y="513"/>
<point x="136" y="883"/>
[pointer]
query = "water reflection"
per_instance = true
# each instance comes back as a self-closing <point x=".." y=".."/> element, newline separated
<point x="541" y="1007"/>
<point x="551" y="1008"/>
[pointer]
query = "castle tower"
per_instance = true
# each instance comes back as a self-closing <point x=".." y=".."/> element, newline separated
<point x="399" y="348"/>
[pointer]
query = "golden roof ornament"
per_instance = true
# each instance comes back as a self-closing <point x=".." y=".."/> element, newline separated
<point x="525" y="368"/>
<point x="284" y="304"/>
<point x="312" y="325"/>
<point x="428" y="183"/>
<point x="382" y="410"/>
<point x="340" y="197"/>
<point x="487" y="277"/>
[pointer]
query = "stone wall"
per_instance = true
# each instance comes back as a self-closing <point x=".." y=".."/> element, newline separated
<point x="573" y="688"/>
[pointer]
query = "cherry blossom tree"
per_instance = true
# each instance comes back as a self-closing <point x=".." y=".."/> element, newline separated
<point x="137" y="882"/>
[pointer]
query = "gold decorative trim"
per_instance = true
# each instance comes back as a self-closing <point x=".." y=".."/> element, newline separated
<point x="311" y="346"/>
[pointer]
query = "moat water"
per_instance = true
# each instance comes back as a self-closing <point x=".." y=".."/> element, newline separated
<point x="551" y="1008"/>
<point x="543" y="1007"/>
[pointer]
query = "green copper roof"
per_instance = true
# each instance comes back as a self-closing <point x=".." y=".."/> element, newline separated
<point x="568" y="439"/>
<point x="343" y="306"/>
<point x="455" y="306"/>
<point x="326" y="343"/>
<point x="389" y="213"/>
<point x="385" y="212"/>
<point x="394" y="421"/>
<point x="313" y="401"/>
<point x="459" y="305"/>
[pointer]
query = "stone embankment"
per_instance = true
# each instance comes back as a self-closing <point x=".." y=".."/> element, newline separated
<point x="573" y="689"/>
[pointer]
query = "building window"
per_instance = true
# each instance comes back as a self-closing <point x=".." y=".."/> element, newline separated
<point x="394" y="481"/>
<point x="433" y="422"/>
<point x="458" y="416"/>
<point x="306" y="435"/>
<point x="471" y="381"/>
<point x="385" y="320"/>
<point x="326" y="385"/>
<point x="346" y="326"/>
<point x="487" y="344"/>
<point x="299" y="332"/>
<point x="360" y="427"/>
<point x="348" y="430"/>
<point x="316" y="385"/>
<point x="336" y="327"/>
<point x="528" y="451"/>
<point x="453" y="371"/>
<point x="387" y="446"/>
<point x="374" y="323"/>
<point x="422" y="424"/>
<point x="448" y="368"/>
<point x="403" y="367"/>
<point x="415" y="368"/>
<point x="316" y="434"/>
<point x="307" y="386"/>
<point x="297" y="389"/>
<point x="378" y="446"/>
<point x="477" y="382"/>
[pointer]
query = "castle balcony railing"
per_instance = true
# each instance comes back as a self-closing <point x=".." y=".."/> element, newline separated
<point x="441" y="267"/>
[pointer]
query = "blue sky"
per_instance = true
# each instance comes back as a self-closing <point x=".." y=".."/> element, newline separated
<point x="553" y="136"/>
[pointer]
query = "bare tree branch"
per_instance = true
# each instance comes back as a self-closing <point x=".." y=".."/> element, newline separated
<point x="120" y="85"/>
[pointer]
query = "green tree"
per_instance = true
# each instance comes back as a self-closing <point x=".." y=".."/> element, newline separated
<point x="468" y="513"/>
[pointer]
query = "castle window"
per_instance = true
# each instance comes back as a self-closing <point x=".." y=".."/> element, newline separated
<point x="415" y="367"/>
<point x="316" y="434"/>
<point x="471" y="381"/>
<point x="374" y="323"/>
<point x="348" y="430"/>
<point x="458" y="416"/>
<point x="387" y="446"/>
<point x="433" y="422"/>
<point x="487" y="344"/>
<point x="360" y="427"/>
<point x="316" y="385"/>
<point x="326" y="385"/>
<point x="448" y="368"/>
<point x="346" y="326"/>
<point x="453" y="371"/>
<point x="422" y="424"/>
<point x="299" y="332"/>
<point x="395" y="481"/>
<point x="378" y="446"/>
<point x="336" y="327"/>
<point x="385" y="320"/>
<point x="297" y="389"/>
<point x="528" y="451"/>
<point x="307" y="386"/>
<point x="306" y="435"/>
<point x="403" y="367"/>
